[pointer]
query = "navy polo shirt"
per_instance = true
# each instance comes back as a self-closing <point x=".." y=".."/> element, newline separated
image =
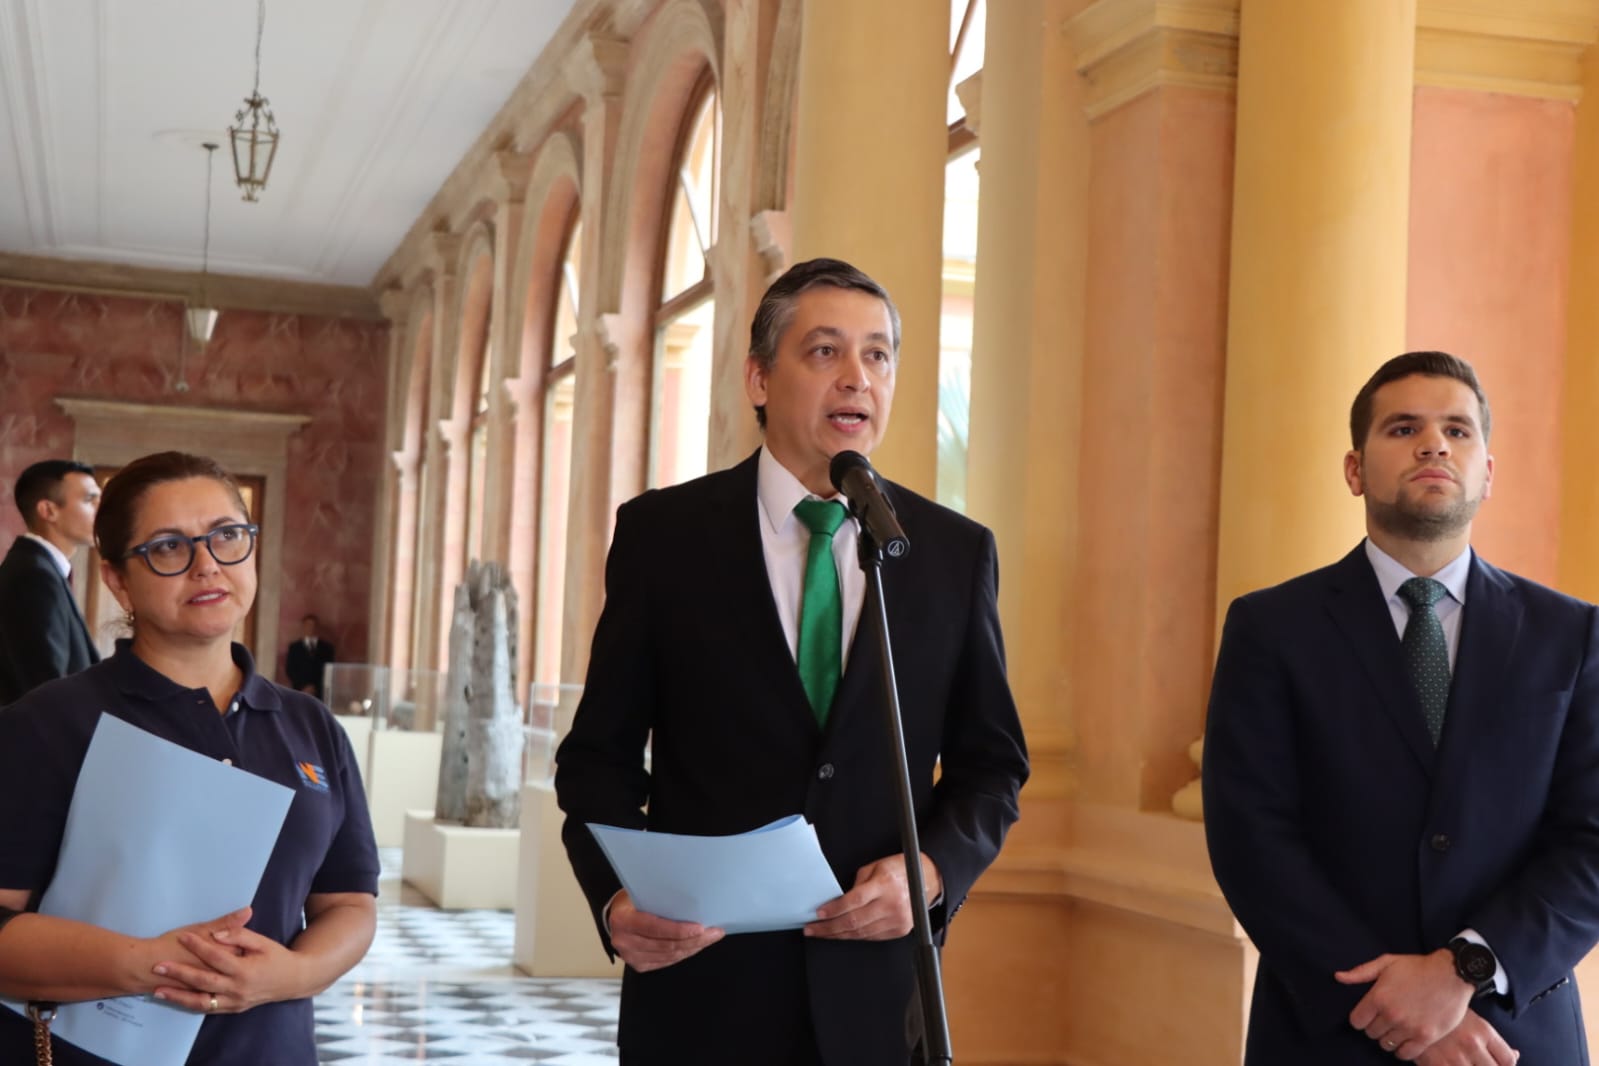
<point x="326" y="844"/>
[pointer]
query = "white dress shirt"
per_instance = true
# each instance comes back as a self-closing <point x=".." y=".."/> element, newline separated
<point x="1391" y="573"/>
<point x="786" y="544"/>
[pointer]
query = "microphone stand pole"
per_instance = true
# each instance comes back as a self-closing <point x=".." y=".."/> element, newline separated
<point x="929" y="981"/>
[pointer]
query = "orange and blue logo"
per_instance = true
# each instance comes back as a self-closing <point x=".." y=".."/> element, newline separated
<point x="311" y="776"/>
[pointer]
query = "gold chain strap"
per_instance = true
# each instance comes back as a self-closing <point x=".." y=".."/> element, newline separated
<point x="42" y="1017"/>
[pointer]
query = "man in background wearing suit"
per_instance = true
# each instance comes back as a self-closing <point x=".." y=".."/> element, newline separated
<point x="42" y="633"/>
<point x="732" y="644"/>
<point x="307" y="656"/>
<point x="1402" y="768"/>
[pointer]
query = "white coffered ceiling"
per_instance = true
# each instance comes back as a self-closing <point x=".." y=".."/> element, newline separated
<point x="104" y="105"/>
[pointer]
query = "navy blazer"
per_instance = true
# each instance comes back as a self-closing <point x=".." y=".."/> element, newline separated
<point x="42" y="633"/>
<point x="1337" y="832"/>
<point x="689" y="656"/>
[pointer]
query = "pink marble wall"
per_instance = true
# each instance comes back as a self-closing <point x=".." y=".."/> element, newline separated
<point x="1490" y="256"/>
<point x="121" y="348"/>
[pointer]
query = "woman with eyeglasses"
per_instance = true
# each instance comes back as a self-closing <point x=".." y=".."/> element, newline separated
<point x="179" y="556"/>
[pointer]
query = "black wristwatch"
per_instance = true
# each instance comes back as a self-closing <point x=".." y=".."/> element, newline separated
<point x="1475" y="965"/>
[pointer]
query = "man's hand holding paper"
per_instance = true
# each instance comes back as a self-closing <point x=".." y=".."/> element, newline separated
<point x="649" y="942"/>
<point x="878" y="907"/>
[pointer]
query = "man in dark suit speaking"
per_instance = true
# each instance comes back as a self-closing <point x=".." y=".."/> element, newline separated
<point x="42" y="633"/>
<point x="1401" y="769"/>
<point x="732" y="643"/>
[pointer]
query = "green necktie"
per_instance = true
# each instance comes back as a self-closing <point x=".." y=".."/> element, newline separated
<point x="821" y="622"/>
<point x="1426" y="650"/>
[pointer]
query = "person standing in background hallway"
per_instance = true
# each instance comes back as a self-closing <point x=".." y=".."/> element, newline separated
<point x="1401" y="771"/>
<point x="42" y="632"/>
<point x="306" y="658"/>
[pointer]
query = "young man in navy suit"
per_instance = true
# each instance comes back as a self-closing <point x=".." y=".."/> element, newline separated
<point x="1402" y="769"/>
<point x="42" y="632"/>
<point x="708" y="653"/>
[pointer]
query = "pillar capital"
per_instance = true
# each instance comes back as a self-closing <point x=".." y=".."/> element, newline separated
<point x="597" y="67"/>
<point x="394" y="301"/>
<point x="1126" y="48"/>
<point x="512" y="169"/>
<point x="444" y="248"/>
<point x="773" y="235"/>
<point x="970" y="94"/>
<point x="1528" y="48"/>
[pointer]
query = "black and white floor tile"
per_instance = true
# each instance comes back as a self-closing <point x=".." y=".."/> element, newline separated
<point x="438" y="987"/>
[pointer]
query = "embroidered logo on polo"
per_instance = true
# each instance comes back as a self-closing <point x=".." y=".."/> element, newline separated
<point x="311" y="776"/>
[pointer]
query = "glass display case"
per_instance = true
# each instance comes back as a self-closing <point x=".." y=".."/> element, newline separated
<point x="549" y="715"/>
<point x="390" y="699"/>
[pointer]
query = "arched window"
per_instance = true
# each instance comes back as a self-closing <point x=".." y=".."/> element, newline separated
<point x="681" y="408"/>
<point x="967" y="22"/>
<point x="555" y="472"/>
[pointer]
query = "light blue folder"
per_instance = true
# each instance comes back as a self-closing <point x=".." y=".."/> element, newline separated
<point x="770" y="878"/>
<point x="157" y="837"/>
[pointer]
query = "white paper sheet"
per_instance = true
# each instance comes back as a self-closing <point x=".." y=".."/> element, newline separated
<point x="770" y="878"/>
<point x="157" y="837"/>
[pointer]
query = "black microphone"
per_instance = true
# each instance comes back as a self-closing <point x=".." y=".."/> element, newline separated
<point x="852" y="475"/>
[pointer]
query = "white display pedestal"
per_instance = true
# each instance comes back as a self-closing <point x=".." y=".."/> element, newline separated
<point x="555" y="934"/>
<point x="359" y="729"/>
<point x="459" y="867"/>
<point x="402" y="775"/>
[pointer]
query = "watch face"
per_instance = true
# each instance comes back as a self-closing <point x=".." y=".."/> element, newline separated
<point x="1475" y="963"/>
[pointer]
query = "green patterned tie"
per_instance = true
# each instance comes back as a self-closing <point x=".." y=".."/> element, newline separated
<point x="1426" y="650"/>
<point x="821" y="623"/>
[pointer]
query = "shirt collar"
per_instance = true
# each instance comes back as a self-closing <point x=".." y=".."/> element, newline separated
<point x="1391" y="573"/>
<point x="63" y="564"/>
<point x="779" y="490"/>
<point x="137" y="678"/>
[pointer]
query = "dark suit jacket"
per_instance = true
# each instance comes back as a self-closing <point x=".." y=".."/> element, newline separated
<point x="42" y="633"/>
<point x="689" y="653"/>
<point x="304" y="666"/>
<point x="1337" y="831"/>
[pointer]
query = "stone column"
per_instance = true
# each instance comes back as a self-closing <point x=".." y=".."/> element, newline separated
<point x="736" y="266"/>
<point x="602" y="473"/>
<point x="1579" y="515"/>
<point x="385" y="530"/>
<point x="1023" y="482"/>
<point x="869" y="185"/>
<point x="1319" y="264"/>
<point x="511" y="173"/>
<point x="1027" y="345"/>
<point x="431" y="595"/>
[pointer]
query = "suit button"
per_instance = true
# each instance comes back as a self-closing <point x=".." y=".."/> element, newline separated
<point x="825" y="772"/>
<point x="1440" y="842"/>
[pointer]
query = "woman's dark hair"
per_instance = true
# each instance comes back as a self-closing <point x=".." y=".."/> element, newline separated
<point x="119" y="503"/>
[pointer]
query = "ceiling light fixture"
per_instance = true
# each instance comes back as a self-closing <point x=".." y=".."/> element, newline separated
<point x="203" y="319"/>
<point x="200" y="315"/>
<point x="255" y="143"/>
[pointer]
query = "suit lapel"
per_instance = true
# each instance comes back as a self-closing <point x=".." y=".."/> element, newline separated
<point x="862" y="677"/>
<point x="749" y="587"/>
<point x="1355" y="602"/>
<point x="1488" y="633"/>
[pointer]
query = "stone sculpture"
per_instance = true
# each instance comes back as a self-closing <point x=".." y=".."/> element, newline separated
<point x="480" y="778"/>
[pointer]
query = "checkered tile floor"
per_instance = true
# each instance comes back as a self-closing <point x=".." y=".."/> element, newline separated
<point x="438" y="987"/>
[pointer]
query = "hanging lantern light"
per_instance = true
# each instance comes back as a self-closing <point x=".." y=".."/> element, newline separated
<point x="255" y="134"/>
<point x="203" y="318"/>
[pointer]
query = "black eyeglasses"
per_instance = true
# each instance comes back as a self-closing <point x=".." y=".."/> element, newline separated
<point x="171" y="556"/>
